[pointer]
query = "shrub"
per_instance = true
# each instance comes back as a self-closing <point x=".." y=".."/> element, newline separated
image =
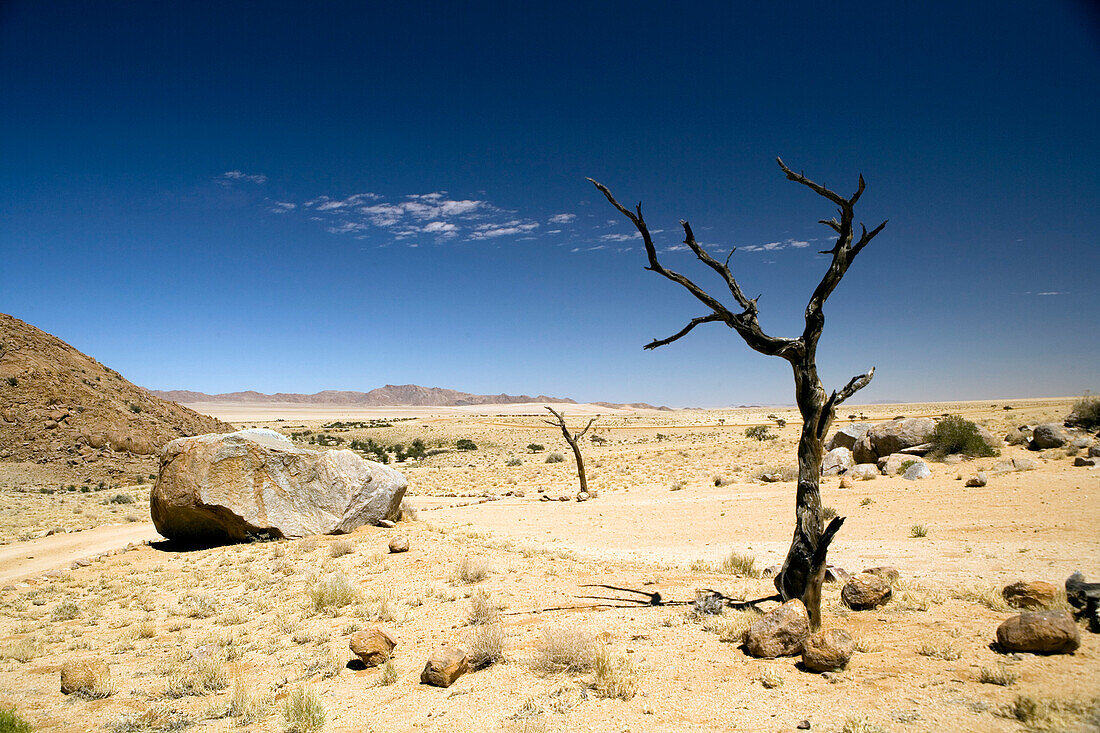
<point x="737" y="563"/>
<point x="1000" y="675"/>
<point x="483" y="610"/>
<point x="536" y="448"/>
<point x="555" y="458"/>
<point x="199" y="605"/>
<point x="760" y="432"/>
<point x="339" y="548"/>
<point x="564" y="649"/>
<point x="598" y="440"/>
<point x="615" y="678"/>
<point x="918" y="530"/>
<point x="13" y="382"/>
<point x="122" y="499"/>
<point x="303" y="710"/>
<point x="10" y="722"/>
<point x="465" y="444"/>
<point x="485" y="646"/>
<point x="469" y="572"/>
<point x="389" y="672"/>
<point x="956" y="434"/>
<point x="1086" y="412"/>
<point x="65" y="611"/>
<point x="513" y="461"/>
<point x="828" y="513"/>
<point x="133" y="408"/>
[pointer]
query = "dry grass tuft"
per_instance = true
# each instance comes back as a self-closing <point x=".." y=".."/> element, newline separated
<point x="303" y="710"/>
<point x="1046" y="714"/>
<point x="564" y="649"/>
<point x="198" y="605"/>
<point x="615" y="678"/>
<point x="987" y="595"/>
<point x="389" y="673"/>
<point x="918" y="530"/>
<point x="158" y="719"/>
<point x="999" y="675"/>
<point x="740" y="564"/>
<point x="23" y="650"/>
<point x="198" y="677"/>
<point x="65" y="611"/>
<point x="771" y="680"/>
<point x="483" y="610"/>
<point x="485" y="646"/>
<point x="861" y="724"/>
<point x="247" y="707"/>
<point x="468" y="572"/>
<point x="333" y="593"/>
<point x="339" y="548"/>
<point x="945" y="652"/>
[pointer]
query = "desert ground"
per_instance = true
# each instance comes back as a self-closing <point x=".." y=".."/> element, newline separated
<point x="243" y="637"/>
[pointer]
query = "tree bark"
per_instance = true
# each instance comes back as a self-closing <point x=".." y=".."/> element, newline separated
<point x="572" y="440"/>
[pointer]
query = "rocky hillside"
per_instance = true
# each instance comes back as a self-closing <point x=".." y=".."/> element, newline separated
<point x="58" y="405"/>
<point x="391" y="395"/>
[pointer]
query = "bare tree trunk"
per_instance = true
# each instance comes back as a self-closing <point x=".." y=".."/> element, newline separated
<point x="804" y="567"/>
<point x="572" y="440"/>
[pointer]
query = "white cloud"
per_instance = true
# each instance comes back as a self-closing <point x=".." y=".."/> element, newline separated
<point x="774" y="246"/>
<point x="1053" y="292"/>
<point x="621" y="237"/>
<point x="562" y="219"/>
<point x="231" y="176"/>
<point x="283" y="207"/>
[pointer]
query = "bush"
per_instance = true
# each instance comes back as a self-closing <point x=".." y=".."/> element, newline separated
<point x="555" y="458"/>
<point x="513" y="461"/>
<point x="536" y="448"/>
<point x="465" y="444"/>
<point x="760" y="432"/>
<point x="1086" y="412"/>
<point x="485" y="646"/>
<point x="122" y="499"/>
<point x="10" y="722"/>
<point x="303" y="710"/>
<point x="741" y="565"/>
<point x="956" y="434"/>
<point x="332" y="593"/>
<point x="564" y="649"/>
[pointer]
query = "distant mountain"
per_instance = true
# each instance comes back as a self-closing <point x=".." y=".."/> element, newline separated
<point x="410" y="395"/>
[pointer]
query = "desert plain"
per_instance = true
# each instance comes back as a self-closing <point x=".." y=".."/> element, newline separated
<point x="553" y="595"/>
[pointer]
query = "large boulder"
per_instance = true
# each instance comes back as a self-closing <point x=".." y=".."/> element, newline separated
<point x="864" y="471"/>
<point x="836" y="461"/>
<point x="907" y="432"/>
<point x="896" y="463"/>
<point x="847" y="436"/>
<point x="1047" y="435"/>
<point x="228" y="487"/>
<point x="1030" y="594"/>
<point x="865" y="591"/>
<point x="864" y="451"/>
<point x="827" y="651"/>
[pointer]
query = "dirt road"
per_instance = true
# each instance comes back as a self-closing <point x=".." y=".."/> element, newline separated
<point x="21" y="560"/>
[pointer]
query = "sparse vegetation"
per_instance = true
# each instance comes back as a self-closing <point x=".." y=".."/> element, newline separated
<point x="861" y="724"/>
<point x="918" y="530"/>
<point x="555" y="458"/>
<point x="303" y="710"/>
<point x="956" y="434"/>
<point x="339" y="548"/>
<point x="11" y="722"/>
<point x="945" y="652"/>
<point x="389" y="672"/>
<point x="333" y="593"/>
<point x="614" y="677"/>
<point x="483" y="610"/>
<point x="468" y="572"/>
<point x="536" y="447"/>
<point x="1050" y="714"/>
<point x="1086" y="412"/>
<point x="760" y="432"/>
<point x="465" y="444"/>
<point x="564" y="649"/>
<point x="999" y="675"/>
<point x="513" y="461"/>
<point x="737" y="563"/>
<point x="485" y="646"/>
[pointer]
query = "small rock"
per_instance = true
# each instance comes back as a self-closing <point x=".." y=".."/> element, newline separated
<point x="399" y="544"/>
<point x="1094" y="450"/>
<point x="563" y="498"/>
<point x="771" y="571"/>
<point x="864" y="591"/>
<point x="917" y="471"/>
<point x="1034" y="594"/>
<point x="374" y="646"/>
<point x="771" y="478"/>
<point x="582" y="496"/>
<point x="887" y="572"/>
<point x="864" y="471"/>
<point x="804" y="725"/>
<point x="846" y="482"/>
<point x="780" y="632"/>
<point x="1040" y="632"/>
<point x="834" y="574"/>
<point x="89" y="675"/>
<point x="827" y="651"/>
<point x="544" y="497"/>
<point x="1081" y="461"/>
<point x="977" y="480"/>
<point x="387" y="523"/>
<point x="445" y="665"/>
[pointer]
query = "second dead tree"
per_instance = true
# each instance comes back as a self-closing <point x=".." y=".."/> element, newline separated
<point x="573" y="439"/>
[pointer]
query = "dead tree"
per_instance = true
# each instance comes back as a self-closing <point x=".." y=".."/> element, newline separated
<point x="573" y="440"/>
<point x="804" y="568"/>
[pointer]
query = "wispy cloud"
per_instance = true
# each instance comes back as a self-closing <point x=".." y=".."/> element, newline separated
<point x="775" y="246"/>
<point x="562" y="219"/>
<point x="230" y="177"/>
<point x="621" y="237"/>
<point x="283" y="207"/>
<point x="1053" y="292"/>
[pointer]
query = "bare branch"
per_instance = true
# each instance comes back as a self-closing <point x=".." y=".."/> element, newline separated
<point x="817" y="188"/>
<point x="683" y="331"/>
<point x="865" y="238"/>
<point x="831" y="223"/>
<point x="586" y="427"/>
<point x="723" y="270"/>
<point x="854" y="385"/>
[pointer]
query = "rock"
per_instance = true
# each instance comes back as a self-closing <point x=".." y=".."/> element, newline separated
<point x="847" y="436"/>
<point x="771" y="571"/>
<point x="780" y="632"/>
<point x="1033" y="594"/>
<point x="891" y="437"/>
<point x="771" y="478"/>
<point x="864" y="471"/>
<point x="887" y="572"/>
<point x="865" y="591"/>
<point x="953" y="459"/>
<point x="228" y="487"/>
<point x="374" y="646"/>
<point x="445" y="665"/>
<point x="1039" y="632"/>
<point x="846" y="482"/>
<point x="895" y="463"/>
<point x="827" y="651"/>
<point x="387" y="523"/>
<point x="1015" y="464"/>
<point x="834" y="574"/>
<point x="803" y="725"/>
<point x="1047" y="435"/>
<point x="1085" y="599"/>
<point x="89" y="676"/>
<point x="919" y="450"/>
<point x="918" y="470"/>
<point x="582" y="496"/>
<point x="1079" y="461"/>
<point x="836" y="461"/>
<point x="977" y="480"/>
<point x="863" y="451"/>
<point x="1094" y="450"/>
<point x="399" y="544"/>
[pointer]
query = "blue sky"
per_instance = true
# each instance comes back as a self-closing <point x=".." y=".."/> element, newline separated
<point x="224" y="196"/>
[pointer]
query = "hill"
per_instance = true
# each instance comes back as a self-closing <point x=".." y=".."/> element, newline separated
<point x="58" y="405"/>
<point x="410" y="395"/>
